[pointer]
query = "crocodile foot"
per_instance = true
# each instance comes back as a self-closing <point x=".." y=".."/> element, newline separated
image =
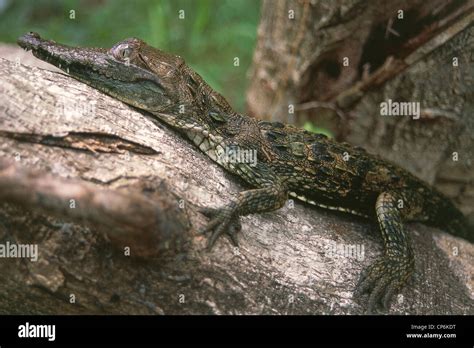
<point x="224" y="220"/>
<point x="382" y="280"/>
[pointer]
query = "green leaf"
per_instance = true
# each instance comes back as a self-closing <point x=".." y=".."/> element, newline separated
<point x="310" y="127"/>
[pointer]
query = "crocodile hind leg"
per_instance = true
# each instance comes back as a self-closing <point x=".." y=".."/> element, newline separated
<point x="388" y="274"/>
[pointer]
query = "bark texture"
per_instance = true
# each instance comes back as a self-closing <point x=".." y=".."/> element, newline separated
<point x="54" y="125"/>
<point x="335" y="62"/>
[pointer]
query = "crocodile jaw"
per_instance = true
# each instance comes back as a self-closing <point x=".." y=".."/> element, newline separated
<point x="99" y="69"/>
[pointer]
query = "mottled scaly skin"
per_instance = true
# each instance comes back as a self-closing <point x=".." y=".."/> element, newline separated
<point x="289" y="161"/>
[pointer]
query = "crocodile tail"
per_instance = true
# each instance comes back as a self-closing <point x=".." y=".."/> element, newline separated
<point x="461" y="228"/>
<point x="451" y="220"/>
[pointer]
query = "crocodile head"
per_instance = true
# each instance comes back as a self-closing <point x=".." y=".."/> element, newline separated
<point x="137" y="74"/>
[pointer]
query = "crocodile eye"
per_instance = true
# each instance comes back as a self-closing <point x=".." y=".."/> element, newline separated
<point x="125" y="52"/>
<point x="122" y="51"/>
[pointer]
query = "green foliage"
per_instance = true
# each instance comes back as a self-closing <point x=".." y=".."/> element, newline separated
<point x="212" y="33"/>
<point x="310" y="127"/>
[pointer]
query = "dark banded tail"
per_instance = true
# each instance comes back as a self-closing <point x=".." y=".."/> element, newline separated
<point x="447" y="217"/>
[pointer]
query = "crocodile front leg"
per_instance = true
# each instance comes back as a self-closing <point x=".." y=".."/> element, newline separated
<point x="387" y="275"/>
<point x="271" y="196"/>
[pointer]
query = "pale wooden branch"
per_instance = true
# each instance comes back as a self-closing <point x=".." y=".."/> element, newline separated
<point x="146" y="226"/>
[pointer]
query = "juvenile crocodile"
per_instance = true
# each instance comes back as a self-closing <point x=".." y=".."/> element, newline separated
<point x="289" y="161"/>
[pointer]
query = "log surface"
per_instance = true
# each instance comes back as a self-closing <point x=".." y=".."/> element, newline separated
<point x="53" y="124"/>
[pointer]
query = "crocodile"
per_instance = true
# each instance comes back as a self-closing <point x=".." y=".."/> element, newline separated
<point x="288" y="161"/>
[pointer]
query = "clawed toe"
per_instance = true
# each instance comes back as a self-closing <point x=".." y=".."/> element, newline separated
<point x="234" y="228"/>
<point x="382" y="280"/>
<point x="223" y="221"/>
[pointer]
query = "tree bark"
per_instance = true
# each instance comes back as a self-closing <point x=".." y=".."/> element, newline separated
<point x="53" y="124"/>
<point x="335" y="62"/>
